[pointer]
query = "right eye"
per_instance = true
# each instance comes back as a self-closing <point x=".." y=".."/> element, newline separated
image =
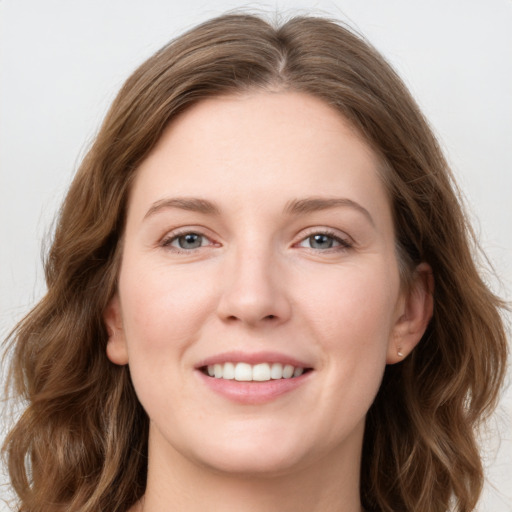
<point x="186" y="241"/>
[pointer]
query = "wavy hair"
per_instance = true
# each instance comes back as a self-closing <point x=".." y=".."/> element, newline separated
<point x="81" y="442"/>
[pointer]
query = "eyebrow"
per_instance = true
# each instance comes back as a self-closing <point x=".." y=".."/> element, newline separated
<point x="296" y="206"/>
<point x="313" y="204"/>
<point x="183" y="203"/>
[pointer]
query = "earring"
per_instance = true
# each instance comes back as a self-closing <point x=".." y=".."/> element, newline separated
<point x="400" y="353"/>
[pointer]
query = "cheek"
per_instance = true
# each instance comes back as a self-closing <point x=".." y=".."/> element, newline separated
<point x="163" y="310"/>
<point x="164" y="313"/>
<point x="353" y="310"/>
<point x="349" y="314"/>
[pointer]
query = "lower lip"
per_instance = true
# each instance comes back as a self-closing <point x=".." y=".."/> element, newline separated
<point x="253" y="392"/>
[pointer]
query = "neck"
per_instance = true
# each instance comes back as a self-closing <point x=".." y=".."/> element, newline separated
<point x="330" y="484"/>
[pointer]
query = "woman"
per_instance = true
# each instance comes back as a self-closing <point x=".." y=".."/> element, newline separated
<point x="261" y="294"/>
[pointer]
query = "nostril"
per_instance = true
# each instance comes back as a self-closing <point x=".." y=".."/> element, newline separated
<point x="270" y="317"/>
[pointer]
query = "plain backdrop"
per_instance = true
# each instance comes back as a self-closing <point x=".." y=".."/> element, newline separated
<point x="62" y="62"/>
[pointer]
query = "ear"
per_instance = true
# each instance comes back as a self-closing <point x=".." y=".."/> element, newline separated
<point x="416" y="309"/>
<point x="117" y="350"/>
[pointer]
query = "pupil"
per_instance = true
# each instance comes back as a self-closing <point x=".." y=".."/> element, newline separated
<point x="321" y="241"/>
<point x="190" y="241"/>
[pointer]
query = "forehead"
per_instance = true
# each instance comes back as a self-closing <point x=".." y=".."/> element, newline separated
<point x="272" y="146"/>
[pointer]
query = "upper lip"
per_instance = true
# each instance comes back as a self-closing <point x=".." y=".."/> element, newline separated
<point x="252" y="358"/>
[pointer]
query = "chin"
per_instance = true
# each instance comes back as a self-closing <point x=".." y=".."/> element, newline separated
<point x="251" y="453"/>
<point x="251" y="463"/>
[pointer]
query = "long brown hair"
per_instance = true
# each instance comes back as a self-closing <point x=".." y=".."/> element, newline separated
<point x="81" y="444"/>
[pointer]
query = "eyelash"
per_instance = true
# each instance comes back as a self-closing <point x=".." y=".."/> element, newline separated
<point x="176" y="235"/>
<point x="343" y="243"/>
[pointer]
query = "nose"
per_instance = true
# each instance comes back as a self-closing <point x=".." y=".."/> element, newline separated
<point x="254" y="290"/>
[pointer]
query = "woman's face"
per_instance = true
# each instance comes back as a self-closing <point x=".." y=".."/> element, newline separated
<point x="259" y="242"/>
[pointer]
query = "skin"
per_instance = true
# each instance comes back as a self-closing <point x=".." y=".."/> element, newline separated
<point x="258" y="282"/>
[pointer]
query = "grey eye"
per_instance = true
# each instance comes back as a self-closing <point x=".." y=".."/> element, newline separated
<point x="321" y="241"/>
<point x="189" y="241"/>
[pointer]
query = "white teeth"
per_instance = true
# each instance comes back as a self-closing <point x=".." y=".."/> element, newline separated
<point x="259" y="372"/>
<point x="288" y="371"/>
<point x="297" y="372"/>
<point x="243" y="371"/>
<point x="217" y="371"/>
<point x="276" y="372"/>
<point x="229" y="371"/>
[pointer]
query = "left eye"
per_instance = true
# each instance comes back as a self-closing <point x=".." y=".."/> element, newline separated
<point x="187" y="241"/>
<point x="322" y="241"/>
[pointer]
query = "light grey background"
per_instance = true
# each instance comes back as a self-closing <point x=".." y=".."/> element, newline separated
<point x="62" y="61"/>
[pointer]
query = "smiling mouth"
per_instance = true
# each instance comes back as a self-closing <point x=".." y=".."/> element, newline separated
<point x="261" y="372"/>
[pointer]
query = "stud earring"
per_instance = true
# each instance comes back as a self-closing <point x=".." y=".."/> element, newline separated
<point x="400" y="353"/>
